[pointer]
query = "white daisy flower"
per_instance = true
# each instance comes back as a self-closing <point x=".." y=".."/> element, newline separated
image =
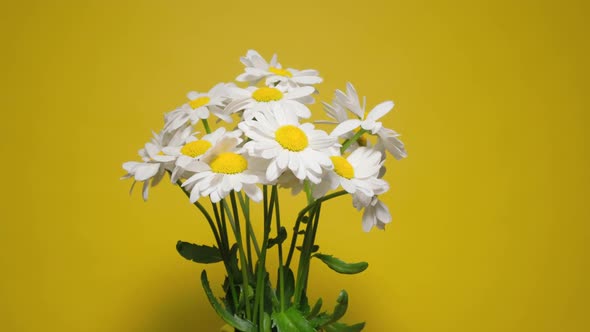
<point x="366" y="120"/>
<point x="375" y="212"/>
<point x="357" y="173"/>
<point x="257" y="68"/>
<point x="155" y="160"/>
<point x="195" y="149"/>
<point x="277" y="136"/>
<point x="224" y="170"/>
<point x="253" y="100"/>
<point x="199" y="107"/>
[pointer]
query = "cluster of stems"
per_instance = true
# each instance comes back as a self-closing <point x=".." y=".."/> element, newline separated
<point x="253" y="254"/>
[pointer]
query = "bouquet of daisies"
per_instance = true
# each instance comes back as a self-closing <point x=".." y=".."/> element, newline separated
<point x="232" y="146"/>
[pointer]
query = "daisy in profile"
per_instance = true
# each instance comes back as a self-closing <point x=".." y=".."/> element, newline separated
<point x="195" y="149"/>
<point x="369" y="121"/>
<point x="277" y="136"/>
<point x="257" y="69"/>
<point x="357" y="173"/>
<point x="200" y="106"/>
<point x="155" y="161"/>
<point x="223" y="170"/>
<point x="252" y="100"/>
<point x="375" y="212"/>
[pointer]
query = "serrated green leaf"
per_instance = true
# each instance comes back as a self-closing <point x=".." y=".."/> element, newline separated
<point x="341" y="327"/>
<point x="291" y="320"/>
<point x="341" y="306"/>
<point x="281" y="237"/>
<point x="198" y="253"/>
<point x="341" y="266"/>
<point x="233" y="320"/>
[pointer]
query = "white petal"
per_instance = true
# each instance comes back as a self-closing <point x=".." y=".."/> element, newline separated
<point x="345" y="127"/>
<point x="299" y="92"/>
<point x="146" y="171"/>
<point x="368" y="219"/>
<point x="380" y="110"/>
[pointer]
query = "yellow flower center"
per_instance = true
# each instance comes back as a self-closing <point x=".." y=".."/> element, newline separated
<point x="342" y="167"/>
<point x="362" y="140"/>
<point x="229" y="163"/>
<point x="198" y="102"/>
<point x="195" y="148"/>
<point x="291" y="138"/>
<point x="281" y="72"/>
<point x="267" y="94"/>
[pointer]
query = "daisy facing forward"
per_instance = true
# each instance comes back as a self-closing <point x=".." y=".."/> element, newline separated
<point x="277" y="136"/>
<point x="253" y="99"/>
<point x="224" y="170"/>
<point x="195" y="149"/>
<point x="257" y="69"/>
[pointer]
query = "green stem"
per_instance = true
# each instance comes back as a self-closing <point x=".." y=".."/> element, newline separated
<point x="245" y="203"/>
<point x="280" y="246"/>
<point x="298" y="222"/>
<point x="205" y="214"/>
<point x="235" y="224"/>
<point x="224" y="250"/>
<point x="206" y="125"/>
<point x="260" y="274"/>
<point x="351" y="140"/>
<point x="309" y="248"/>
<point x="303" y="257"/>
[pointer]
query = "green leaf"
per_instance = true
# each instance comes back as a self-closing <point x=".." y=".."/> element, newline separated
<point x="316" y="309"/>
<point x="281" y="237"/>
<point x="340" y="266"/>
<point x="339" y="311"/>
<point x="289" y="283"/>
<point x="341" y="327"/>
<point x="198" y="253"/>
<point x="291" y="320"/>
<point x="233" y="320"/>
<point x="341" y="306"/>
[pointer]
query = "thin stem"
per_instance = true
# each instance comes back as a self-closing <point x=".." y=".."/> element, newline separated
<point x="302" y="258"/>
<point x="298" y="222"/>
<point x="206" y="125"/>
<point x="235" y="224"/>
<point x="204" y="212"/>
<point x="280" y="246"/>
<point x="309" y="248"/>
<point x="351" y="140"/>
<point x="260" y="275"/>
<point x="245" y="203"/>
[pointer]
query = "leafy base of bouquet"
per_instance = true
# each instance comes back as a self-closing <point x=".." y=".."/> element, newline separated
<point x="271" y="147"/>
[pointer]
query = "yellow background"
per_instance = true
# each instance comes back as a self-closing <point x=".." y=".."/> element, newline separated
<point x="490" y="229"/>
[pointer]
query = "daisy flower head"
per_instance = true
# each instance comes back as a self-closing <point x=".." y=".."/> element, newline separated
<point x="200" y="106"/>
<point x="277" y="136"/>
<point x="252" y="100"/>
<point x="195" y="149"/>
<point x="155" y="161"/>
<point x="367" y="121"/>
<point x="357" y="173"/>
<point x="257" y="69"/>
<point x="224" y="170"/>
<point x="375" y="212"/>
